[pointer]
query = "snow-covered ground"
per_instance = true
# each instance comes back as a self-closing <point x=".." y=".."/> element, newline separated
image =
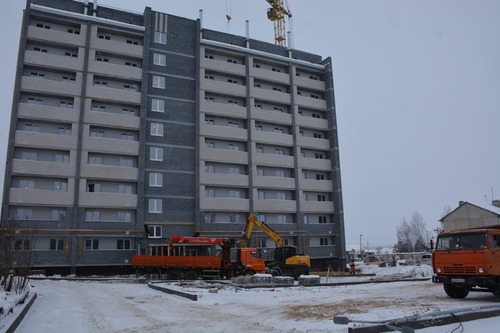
<point x="117" y="306"/>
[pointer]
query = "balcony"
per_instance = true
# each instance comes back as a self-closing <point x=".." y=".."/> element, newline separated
<point x="115" y="70"/>
<point x="23" y="167"/>
<point x="42" y="197"/>
<point x="309" y="83"/>
<point x="223" y="67"/>
<point x="224" y="132"/>
<point x="221" y="179"/>
<point x="116" y="47"/>
<point x="273" y="138"/>
<point x="274" y="182"/>
<point x="228" y="156"/>
<point x="223" y="109"/>
<point x="108" y="200"/>
<point x="114" y="146"/>
<point x="55" y="61"/>
<point x="223" y="87"/>
<point x="313" y="143"/>
<point x="33" y="84"/>
<point x="317" y="207"/>
<point x="269" y="75"/>
<point x="62" y="37"/>
<point x="310" y="122"/>
<point x="315" y="164"/>
<point x="224" y="204"/>
<point x="270" y="95"/>
<point x="111" y="119"/>
<point x="111" y="94"/>
<point x="44" y="112"/>
<point x="109" y="172"/>
<point x="274" y="160"/>
<point x="310" y="102"/>
<point x="275" y="206"/>
<point x="316" y="185"/>
<point x="46" y="140"/>
<point x="271" y="116"/>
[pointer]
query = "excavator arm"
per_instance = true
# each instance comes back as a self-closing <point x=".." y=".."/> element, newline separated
<point x="254" y="221"/>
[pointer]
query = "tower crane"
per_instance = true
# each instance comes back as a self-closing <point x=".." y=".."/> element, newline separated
<point x="277" y="14"/>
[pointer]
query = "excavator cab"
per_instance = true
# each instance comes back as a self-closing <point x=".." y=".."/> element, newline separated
<point x="287" y="256"/>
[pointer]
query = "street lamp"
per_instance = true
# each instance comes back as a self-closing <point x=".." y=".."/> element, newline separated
<point x="360" y="244"/>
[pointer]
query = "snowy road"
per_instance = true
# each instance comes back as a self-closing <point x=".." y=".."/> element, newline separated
<point x="67" y="306"/>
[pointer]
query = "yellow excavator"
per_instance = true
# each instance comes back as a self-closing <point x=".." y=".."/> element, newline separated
<point x="286" y="260"/>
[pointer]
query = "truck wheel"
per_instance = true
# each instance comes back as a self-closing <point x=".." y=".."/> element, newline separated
<point x="455" y="291"/>
<point x="173" y="275"/>
<point x="298" y="272"/>
<point x="191" y="275"/>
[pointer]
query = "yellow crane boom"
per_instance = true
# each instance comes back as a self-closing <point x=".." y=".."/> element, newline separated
<point x="277" y="14"/>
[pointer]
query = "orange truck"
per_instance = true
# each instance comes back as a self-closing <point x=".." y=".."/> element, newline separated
<point x="191" y="258"/>
<point x="468" y="260"/>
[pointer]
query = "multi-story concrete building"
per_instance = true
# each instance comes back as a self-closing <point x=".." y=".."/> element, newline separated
<point x="128" y="128"/>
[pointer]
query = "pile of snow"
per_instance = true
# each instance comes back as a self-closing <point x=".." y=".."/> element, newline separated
<point x="9" y="302"/>
<point x="421" y="271"/>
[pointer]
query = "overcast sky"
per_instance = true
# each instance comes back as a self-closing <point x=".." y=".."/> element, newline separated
<point x="417" y="88"/>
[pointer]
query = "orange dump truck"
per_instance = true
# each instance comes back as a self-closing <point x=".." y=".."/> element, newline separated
<point x="191" y="258"/>
<point x="468" y="260"/>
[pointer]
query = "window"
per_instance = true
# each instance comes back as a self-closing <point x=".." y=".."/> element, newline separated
<point x="95" y="160"/>
<point x="94" y="187"/>
<point x="34" y="100"/>
<point x="127" y="162"/>
<point x="63" y="131"/>
<point x="92" y="215"/>
<point x="259" y="128"/>
<point x="209" y="168"/>
<point x="210" y="144"/>
<point x="100" y="83"/>
<point x="318" y="156"/>
<point x="29" y="155"/>
<point x="132" y="42"/>
<point x="260" y="171"/>
<point x="123" y="244"/>
<point x="260" y="150"/>
<point x="317" y="135"/>
<point x="60" y="186"/>
<point x="320" y="176"/>
<point x="156" y="154"/>
<point x="58" y="215"/>
<point x="101" y="59"/>
<point x="158" y="82"/>
<point x="56" y="244"/>
<point x="233" y="124"/>
<point x="209" y="121"/>
<point x="73" y="31"/>
<point x="155" y="179"/>
<point x="22" y="245"/>
<point x="279" y="173"/>
<point x="322" y="219"/>
<point x="104" y="36"/>
<point x="233" y="146"/>
<point x="234" y="170"/>
<point x="160" y="37"/>
<point x="125" y="188"/>
<point x="280" y="151"/>
<point x="99" y="108"/>
<point x="127" y="136"/>
<point x="281" y="195"/>
<point x="321" y="197"/>
<point x="323" y="241"/>
<point x="209" y="193"/>
<point x="24" y="214"/>
<point x="36" y="74"/>
<point x="61" y="158"/>
<point x="235" y="218"/>
<point x="235" y="194"/>
<point x="157" y="105"/>
<point x="131" y="64"/>
<point x="262" y="242"/>
<point x="124" y="216"/>
<point x="71" y="54"/>
<point x="282" y="219"/>
<point x="91" y="244"/>
<point x="159" y="59"/>
<point x="156" y="129"/>
<point x="154" y="231"/>
<point x="261" y="195"/>
<point x="155" y="206"/>
<point x="97" y="133"/>
<point x="66" y="104"/>
<point x="27" y="184"/>
<point x="39" y="49"/>
<point x="43" y="26"/>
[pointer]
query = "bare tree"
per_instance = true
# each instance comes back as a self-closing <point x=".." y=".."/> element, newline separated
<point x="16" y="248"/>
<point x="412" y="235"/>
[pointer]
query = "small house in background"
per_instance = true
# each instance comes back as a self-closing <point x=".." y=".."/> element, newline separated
<point x="472" y="215"/>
